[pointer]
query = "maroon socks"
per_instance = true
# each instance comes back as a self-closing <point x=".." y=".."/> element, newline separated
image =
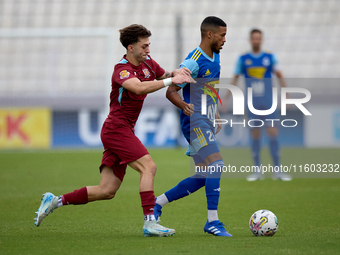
<point x="77" y="197"/>
<point x="148" y="201"/>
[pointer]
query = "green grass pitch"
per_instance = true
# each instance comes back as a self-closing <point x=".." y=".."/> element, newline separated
<point x="308" y="209"/>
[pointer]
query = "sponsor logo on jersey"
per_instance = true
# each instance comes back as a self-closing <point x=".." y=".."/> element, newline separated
<point x="124" y="74"/>
<point x="256" y="72"/>
<point x="265" y="61"/>
<point x="207" y="73"/>
<point x="146" y="73"/>
<point x="248" y="62"/>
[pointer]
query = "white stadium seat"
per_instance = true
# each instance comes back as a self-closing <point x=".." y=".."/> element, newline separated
<point x="304" y="34"/>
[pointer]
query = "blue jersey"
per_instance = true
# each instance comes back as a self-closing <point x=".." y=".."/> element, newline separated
<point x="257" y="70"/>
<point x="206" y="71"/>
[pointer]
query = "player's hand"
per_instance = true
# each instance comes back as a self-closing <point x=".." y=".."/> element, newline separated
<point x="219" y="125"/>
<point x="183" y="70"/>
<point x="189" y="72"/>
<point x="224" y="108"/>
<point x="218" y="128"/>
<point x="180" y="78"/>
<point x="188" y="109"/>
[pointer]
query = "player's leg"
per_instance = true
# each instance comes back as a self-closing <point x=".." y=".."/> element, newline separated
<point x="109" y="184"/>
<point x="183" y="188"/>
<point x="186" y="186"/>
<point x="272" y="133"/>
<point x="205" y="144"/>
<point x="255" y="145"/>
<point x="214" y="161"/>
<point x="274" y="147"/>
<point x="147" y="169"/>
<point x="255" y="135"/>
<point x="112" y="174"/>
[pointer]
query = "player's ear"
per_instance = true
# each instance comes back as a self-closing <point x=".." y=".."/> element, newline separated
<point x="210" y="34"/>
<point x="130" y="48"/>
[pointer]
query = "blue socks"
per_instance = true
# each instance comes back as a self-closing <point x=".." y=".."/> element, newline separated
<point x="212" y="185"/>
<point x="185" y="187"/>
<point x="255" y="150"/>
<point x="192" y="184"/>
<point x="274" y="150"/>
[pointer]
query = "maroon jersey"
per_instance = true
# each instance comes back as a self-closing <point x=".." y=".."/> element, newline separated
<point x="125" y="105"/>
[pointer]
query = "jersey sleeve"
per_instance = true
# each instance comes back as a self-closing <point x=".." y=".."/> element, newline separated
<point x="159" y="71"/>
<point x="123" y="73"/>
<point x="192" y="66"/>
<point x="238" y="67"/>
<point x="275" y="63"/>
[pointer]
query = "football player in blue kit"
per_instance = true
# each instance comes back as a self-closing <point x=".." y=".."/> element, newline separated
<point x="258" y="67"/>
<point x="198" y="129"/>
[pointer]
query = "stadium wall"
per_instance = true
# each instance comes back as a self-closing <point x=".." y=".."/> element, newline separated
<point x="156" y="127"/>
<point x="56" y="59"/>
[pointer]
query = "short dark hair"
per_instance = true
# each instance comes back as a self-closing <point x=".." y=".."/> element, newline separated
<point x="255" y="30"/>
<point x="211" y="22"/>
<point x="131" y="34"/>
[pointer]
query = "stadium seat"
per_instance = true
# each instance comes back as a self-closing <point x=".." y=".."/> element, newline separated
<point x="304" y="34"/>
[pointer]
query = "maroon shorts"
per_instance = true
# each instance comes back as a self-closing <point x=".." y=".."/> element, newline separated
<point x="121" y="146"/>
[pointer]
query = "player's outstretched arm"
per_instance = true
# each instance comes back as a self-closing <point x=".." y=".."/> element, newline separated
<point x="175" y="72"/>
<point x="174" y="98"/>
<point x="142" y="88"/>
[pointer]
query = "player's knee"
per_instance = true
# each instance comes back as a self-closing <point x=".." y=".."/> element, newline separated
<point x="149" y="168"/>
<point x="256" y="133"/>
<point x="152" y="168"/>
<point x="109" y="193"/>
<point x="272" y="132"/>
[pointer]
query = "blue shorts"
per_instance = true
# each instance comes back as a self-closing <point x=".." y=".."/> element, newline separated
<point x="202" y="143"/>
<point x="266" y="120"/>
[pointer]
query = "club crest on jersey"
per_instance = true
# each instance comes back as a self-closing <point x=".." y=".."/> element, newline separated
<point x="146" y="73"/>
<point x="124" y="74"/>
<point x="265" y="61"/>
<point x="248" y="62"/>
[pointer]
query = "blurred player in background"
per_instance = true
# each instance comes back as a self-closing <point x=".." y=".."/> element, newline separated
<point x="198" y="129"/>
<point x="133" y="78"/>
<point x="258" y="67"/>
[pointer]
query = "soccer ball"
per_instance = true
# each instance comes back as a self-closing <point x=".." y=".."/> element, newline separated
<point x="263" y="223"/>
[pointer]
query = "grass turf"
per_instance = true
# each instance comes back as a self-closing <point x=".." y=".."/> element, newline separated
<point x="308" y="209"/>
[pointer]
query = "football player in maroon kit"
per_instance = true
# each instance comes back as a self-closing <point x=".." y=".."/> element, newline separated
<point x="134" y="76"/>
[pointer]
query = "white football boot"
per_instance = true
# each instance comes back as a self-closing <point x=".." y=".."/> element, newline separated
<point x="152" y="228"/>
<point x="255" y="176"/>
<point x="282" y="176"/>
<point x="49" y="202"/>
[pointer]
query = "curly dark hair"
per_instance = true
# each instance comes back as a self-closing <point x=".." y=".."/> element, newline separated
<point x="131" y="34"/>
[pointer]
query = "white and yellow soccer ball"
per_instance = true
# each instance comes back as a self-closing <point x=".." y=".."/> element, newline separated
<point x="263" y="223"/>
